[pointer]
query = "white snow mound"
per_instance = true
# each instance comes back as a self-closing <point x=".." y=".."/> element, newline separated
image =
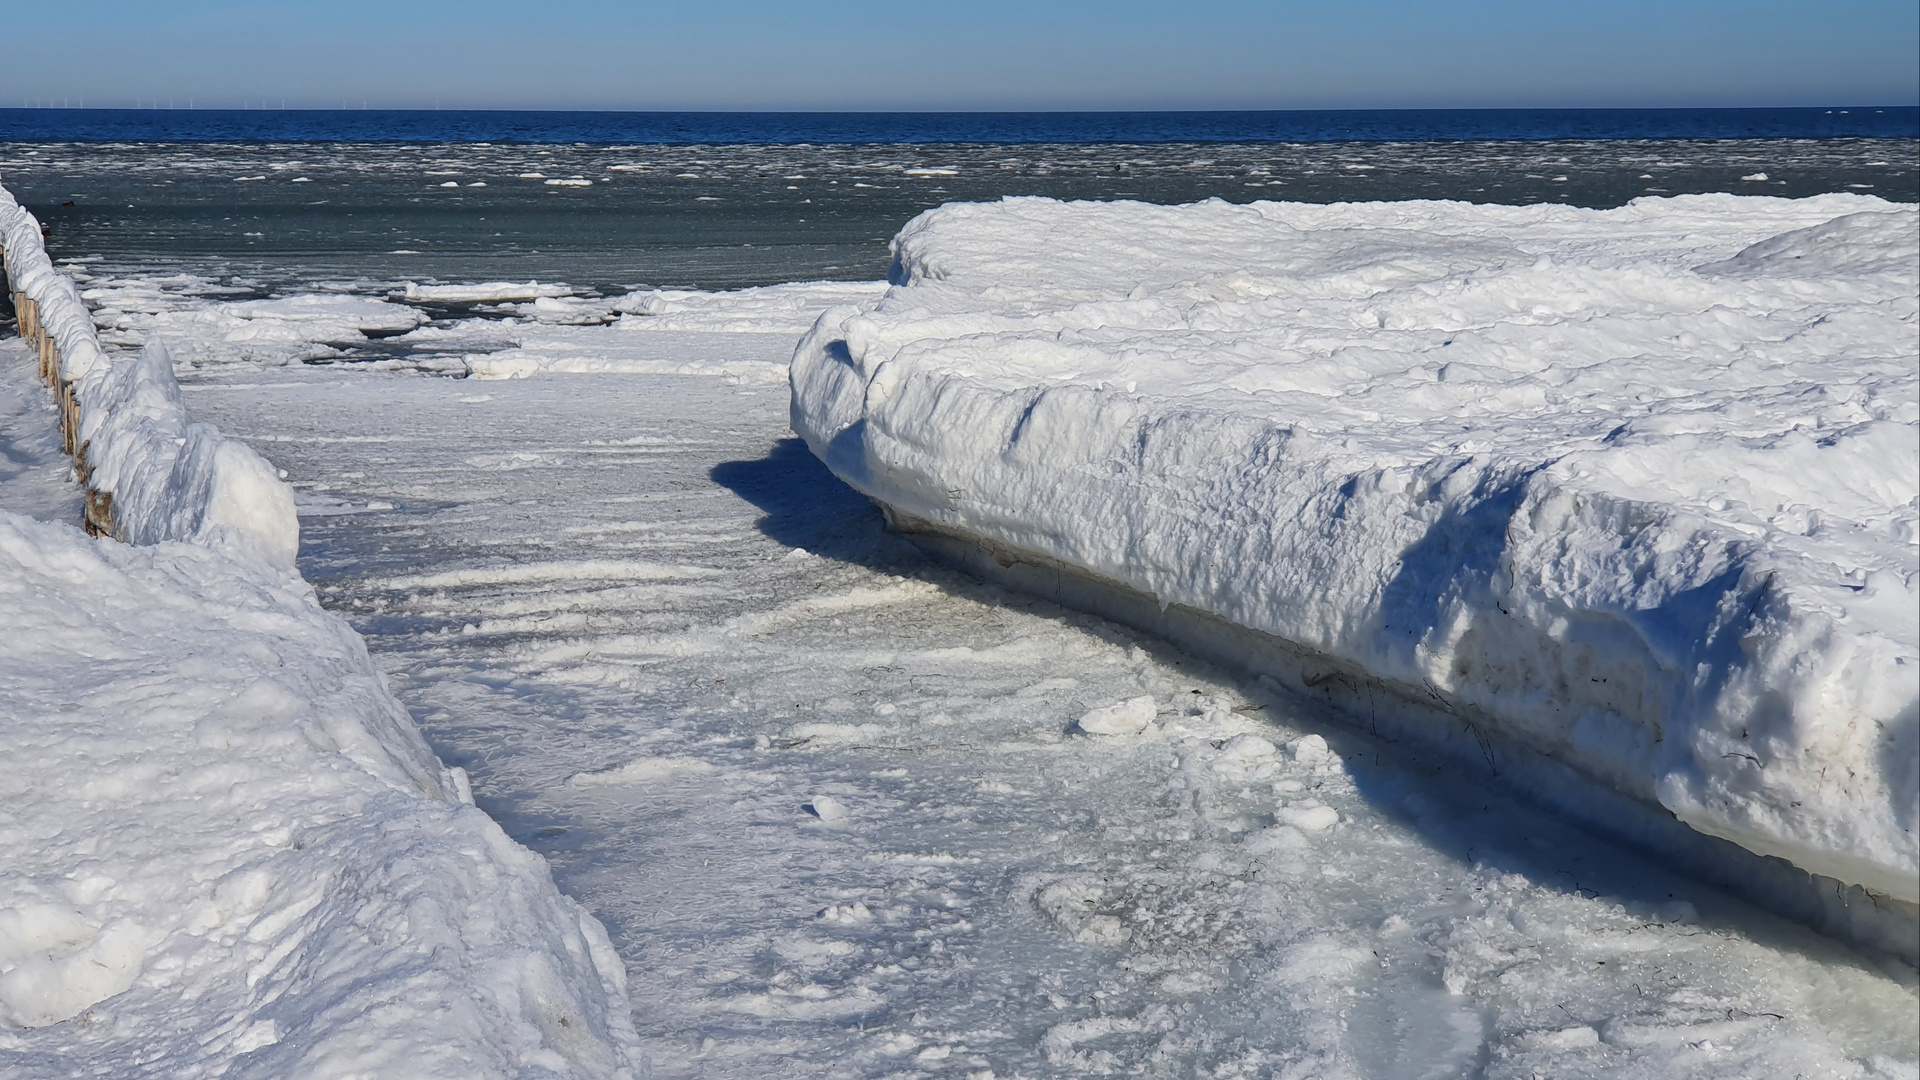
<point x="230" y="853"/>
<point x="1634" y="488"/>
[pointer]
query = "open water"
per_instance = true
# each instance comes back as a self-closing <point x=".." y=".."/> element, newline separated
<point x="265" y="201"/>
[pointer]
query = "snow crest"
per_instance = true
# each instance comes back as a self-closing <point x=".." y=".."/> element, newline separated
<point x="1635" y="489"/>
<point x="163" y="478"/>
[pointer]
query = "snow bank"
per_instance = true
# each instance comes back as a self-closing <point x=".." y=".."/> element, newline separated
<point x="229" y="852"/>
<point x="1631" y="490"/>
<point x="153" y="475"/>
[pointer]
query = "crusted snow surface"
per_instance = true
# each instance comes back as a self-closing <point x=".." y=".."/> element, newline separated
<point x="833" y="806"/>
<point x="229" y="852"/>
<point x="1634" y="488"/>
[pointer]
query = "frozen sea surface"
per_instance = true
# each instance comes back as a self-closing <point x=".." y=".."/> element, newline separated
<point x="267" y="216"/>
<point x="840" y="812"/>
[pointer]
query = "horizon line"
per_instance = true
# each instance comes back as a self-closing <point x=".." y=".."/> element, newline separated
<point x="1830" y="107"/>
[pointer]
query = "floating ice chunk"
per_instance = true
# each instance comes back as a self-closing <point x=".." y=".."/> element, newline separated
<point x="577" y="181"/>
<point x="451" y="183"/>
<point x="1754" y="177"/>
<point x="485" y="292"/>
<point x="1129" y="717"/>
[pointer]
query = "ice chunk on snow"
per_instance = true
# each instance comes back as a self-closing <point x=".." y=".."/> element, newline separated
<point x="1308" y="817"/>
<point x="54" y="964"/>
<point x="1310" y="750"/>
<point x="646" y="770"/>
<point x="1249" y="748"/>
<point x="1632" y="489"/>
<point x="828" y="809"/>
<point x="1129" y="717"/>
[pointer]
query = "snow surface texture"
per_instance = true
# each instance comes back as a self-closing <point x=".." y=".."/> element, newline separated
<point x="1635" y="489"/>
<point x="229" y="852"/>
<point x="169" y="479"/>
<point x="657" y="632"/>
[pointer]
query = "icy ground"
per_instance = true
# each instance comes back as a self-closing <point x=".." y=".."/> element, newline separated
<point x="836" y="809"/>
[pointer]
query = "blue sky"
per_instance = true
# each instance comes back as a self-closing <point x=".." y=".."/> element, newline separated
<point x="963" y="54"/>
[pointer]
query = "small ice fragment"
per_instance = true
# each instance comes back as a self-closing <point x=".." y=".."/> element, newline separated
<point x="451" y="183"/>
<point x="1308" y="819"/>
<point x="848" y="914"/>
<point x="1310" y="750"/>
<point x="828" y="809"/>
<point x="1573" y="1038"/>
<point x="1129" y="717"/>
<point x="478" y="183"/>
<point x="1755" y="177"/>
<point x="1248" y="748"/>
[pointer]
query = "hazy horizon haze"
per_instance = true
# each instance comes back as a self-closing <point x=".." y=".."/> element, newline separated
<point x="993" y="55"/>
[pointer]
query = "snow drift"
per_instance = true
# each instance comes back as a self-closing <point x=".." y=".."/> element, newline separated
<point x="164" y="478"/>
<point x="228" y="850"/>
<point x="1632" y="491"/>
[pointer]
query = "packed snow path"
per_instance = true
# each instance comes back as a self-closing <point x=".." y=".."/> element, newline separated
<point x="832" y="804"/>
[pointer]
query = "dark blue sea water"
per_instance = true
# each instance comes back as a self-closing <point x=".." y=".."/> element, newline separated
<point x="640" y="128"/>
<point x="284" y="200"/>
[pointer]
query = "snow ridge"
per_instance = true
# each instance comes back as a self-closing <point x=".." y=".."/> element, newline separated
<point x="1634" y="490"/>
<point x="151" y="475"/>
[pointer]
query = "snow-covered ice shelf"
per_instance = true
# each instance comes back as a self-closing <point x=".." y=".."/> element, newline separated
<point x="1628" y="495"/>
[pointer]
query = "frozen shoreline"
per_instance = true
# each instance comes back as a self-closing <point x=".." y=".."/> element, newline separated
<point x="1582" y="528"/>
<point x="228" y="846"/>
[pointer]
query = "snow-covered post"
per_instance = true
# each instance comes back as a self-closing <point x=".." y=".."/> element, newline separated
<point x="149" y="474"/>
